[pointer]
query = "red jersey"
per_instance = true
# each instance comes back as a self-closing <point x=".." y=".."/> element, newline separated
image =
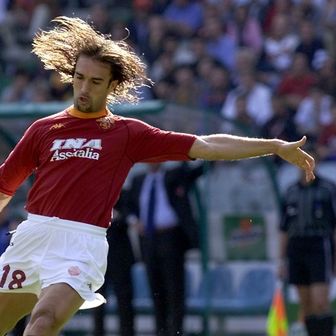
<point x="80" y="164"/>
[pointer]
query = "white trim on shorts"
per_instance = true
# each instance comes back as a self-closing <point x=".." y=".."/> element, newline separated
<point x="67" y="224"/>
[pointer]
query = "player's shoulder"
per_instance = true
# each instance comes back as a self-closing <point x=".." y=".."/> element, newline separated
<point x="132" y="124"/>
<point x="51" y="118"/>
<point x="48" y="121"/>
<point x="129" y="120"/>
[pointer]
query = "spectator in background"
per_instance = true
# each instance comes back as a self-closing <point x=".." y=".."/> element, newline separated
<point x="307" y="249"/>
<point x="309" y="42"/>
<point x="203" y="67"/>
<point x="272" y="10"/>
<point x="160" y="200"/>
<point x="139" y="24"/>
<point x="162" y="68"/>
<point x="258" y="99"/>
<point x="326" y="142"/>
<point x="243" y="119"/>
<point x="197" y="48"/>
<point x="325" y="68"/>
<point x="328" y="24"/>
<point x="17" y="91"/>
<point x="186" y="91"/>
<point x="281" y="124"/>
<point x="280" y="43"/>
<point x="244" y="28"/>
<point x="313" y="113"/>
<point x="183" y="17"/>
<point x="149" y="35"/>
<point x="246" y="60"/>
<point x="163" y="90"/>
<point x="218" y="43"/>
<point x="297" y="82"/>
<point x="59" y="91"/>
<point x="100" y="18"/>
<point x="118" y="277"/>
<point x="309" y="10"/>
<point x="216" y="89"/>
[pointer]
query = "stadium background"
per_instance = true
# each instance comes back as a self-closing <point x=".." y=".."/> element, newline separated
<point x="197" y="68"/>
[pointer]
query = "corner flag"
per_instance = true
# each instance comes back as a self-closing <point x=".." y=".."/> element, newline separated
<point x="277" y="324"/>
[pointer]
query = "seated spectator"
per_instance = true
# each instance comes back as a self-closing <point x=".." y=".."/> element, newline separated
<point x="296" y="82"/>
<point x="313" y="112"/>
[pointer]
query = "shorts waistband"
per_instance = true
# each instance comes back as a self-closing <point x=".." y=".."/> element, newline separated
<point x="57" y="222"/>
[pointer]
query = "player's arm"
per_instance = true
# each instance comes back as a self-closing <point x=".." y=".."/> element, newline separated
<point x="230" y="147"/>
<point x="4" y="200"/>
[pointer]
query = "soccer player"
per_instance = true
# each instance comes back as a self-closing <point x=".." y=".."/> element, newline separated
<point x="307" y="249"/>
<point x="80" y="157"/>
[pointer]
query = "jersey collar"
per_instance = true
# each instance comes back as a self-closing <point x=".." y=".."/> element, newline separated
<point x="82" y="115"/>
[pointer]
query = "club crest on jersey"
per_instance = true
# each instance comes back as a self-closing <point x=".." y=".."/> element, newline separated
<point x="64" y="149"/>
<point x="106" y="122"/>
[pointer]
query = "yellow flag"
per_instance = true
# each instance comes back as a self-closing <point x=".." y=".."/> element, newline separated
<point x="277" y="324"/>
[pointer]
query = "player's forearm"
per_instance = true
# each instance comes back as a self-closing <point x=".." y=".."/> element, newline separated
<point x="4" y="200"/>
<point x="229" y="147"/>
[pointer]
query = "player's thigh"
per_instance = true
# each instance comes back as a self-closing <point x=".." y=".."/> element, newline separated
<point x="13" y="306"/>
<point x="61" y="300"/>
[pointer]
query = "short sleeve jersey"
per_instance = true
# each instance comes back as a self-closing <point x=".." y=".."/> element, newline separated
<point x="81" y="164"/>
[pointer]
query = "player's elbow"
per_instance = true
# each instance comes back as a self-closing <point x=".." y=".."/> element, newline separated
<point x="202" y="149"/>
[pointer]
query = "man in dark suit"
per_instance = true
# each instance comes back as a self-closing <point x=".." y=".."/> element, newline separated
<point x="118" y="274"/>
<point x="160" y="201"/>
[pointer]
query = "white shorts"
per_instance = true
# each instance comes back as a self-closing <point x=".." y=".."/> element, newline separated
<point x="49" y="250"/>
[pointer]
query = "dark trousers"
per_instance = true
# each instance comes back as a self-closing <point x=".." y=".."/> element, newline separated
<point x="119" y="279"/>
<point x="164" y="259"/>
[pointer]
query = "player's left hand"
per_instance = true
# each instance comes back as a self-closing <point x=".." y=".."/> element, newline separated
<point x="292" y="152"/>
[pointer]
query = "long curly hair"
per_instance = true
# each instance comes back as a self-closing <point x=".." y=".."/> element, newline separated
<point x="60" y="47"/>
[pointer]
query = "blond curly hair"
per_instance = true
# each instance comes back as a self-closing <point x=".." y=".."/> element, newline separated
<point x="59" y="49"/>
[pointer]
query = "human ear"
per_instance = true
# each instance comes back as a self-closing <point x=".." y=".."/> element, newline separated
<point x="113" y="84"/>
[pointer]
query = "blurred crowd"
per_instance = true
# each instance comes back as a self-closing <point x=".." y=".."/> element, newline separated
<point x="267" y="64"/>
